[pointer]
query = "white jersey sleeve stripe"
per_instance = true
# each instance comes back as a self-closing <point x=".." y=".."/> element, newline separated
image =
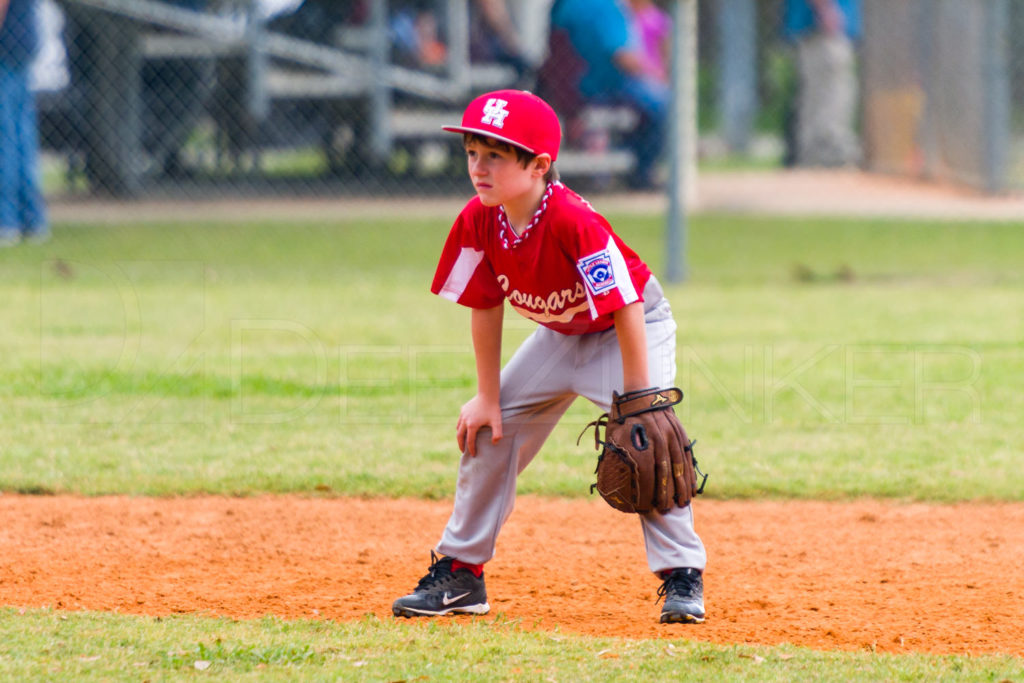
<point x="590" y="303"/>
<point x="622" y="279"/>
<point x="461" y="273"/>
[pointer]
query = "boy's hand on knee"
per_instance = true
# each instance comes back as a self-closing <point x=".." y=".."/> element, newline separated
<point x="476" y="414"/>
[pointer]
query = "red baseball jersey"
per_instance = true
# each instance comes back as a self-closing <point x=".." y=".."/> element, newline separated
<point x="567" y="270"/>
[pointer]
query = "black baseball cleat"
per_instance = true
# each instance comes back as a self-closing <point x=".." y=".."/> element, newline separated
<point x="683" y="591"/>
<point x="443" y="591"/>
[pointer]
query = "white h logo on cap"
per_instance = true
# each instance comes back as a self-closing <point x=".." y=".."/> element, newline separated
<point x="495" y="112"/>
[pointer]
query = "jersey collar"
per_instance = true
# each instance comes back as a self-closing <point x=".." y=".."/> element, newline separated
<point x="509" y="238"/>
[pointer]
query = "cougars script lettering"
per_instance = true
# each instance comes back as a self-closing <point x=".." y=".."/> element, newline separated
<point x="557" y="306"/>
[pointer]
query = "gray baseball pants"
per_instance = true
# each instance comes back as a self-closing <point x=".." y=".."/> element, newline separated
<point x="539" y="383"/>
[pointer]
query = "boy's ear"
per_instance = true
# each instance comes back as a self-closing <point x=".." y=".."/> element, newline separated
<point x="542" y="163"/>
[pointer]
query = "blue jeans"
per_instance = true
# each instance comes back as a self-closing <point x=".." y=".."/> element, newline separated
<point x="651" y="100"/>
<point x="21" y="201"/>
<point x="648" y="139"/>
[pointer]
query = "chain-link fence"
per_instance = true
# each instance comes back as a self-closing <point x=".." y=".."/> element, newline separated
<point x="206" y="97"/>
<point x="201" y="97"/>
<point x="943" y="86"/>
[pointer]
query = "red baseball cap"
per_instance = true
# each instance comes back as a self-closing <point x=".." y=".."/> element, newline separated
<point x="517" y="117"/>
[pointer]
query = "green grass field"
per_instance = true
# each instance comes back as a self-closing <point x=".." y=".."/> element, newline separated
<point x="821" y="359"/>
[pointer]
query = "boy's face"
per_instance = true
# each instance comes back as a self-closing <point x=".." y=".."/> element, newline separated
<point x="497" y="174"/>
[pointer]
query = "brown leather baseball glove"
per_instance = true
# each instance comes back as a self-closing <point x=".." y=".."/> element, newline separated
<point x="646" y="461"/>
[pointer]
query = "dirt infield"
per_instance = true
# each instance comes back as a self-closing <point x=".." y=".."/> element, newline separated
<point x="849" y="576"/>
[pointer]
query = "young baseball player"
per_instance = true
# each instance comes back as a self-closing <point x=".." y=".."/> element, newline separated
<point x="604" y="326"/>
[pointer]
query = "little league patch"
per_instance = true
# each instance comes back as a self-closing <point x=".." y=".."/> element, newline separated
<point x="597" y="272"/>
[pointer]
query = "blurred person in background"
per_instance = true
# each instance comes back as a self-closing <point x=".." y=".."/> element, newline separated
<point x="654" y="27"/>
<point x="493" y="37"/>
<point x="416" y="36"/>
<point x="22" y="209"/>
<point x="825" y="32"/>
<point x="615" y="72"/>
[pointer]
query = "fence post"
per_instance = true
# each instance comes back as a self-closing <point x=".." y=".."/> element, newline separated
<point x="257" y="100"/>
<point x="995" y="75"/>
<point x="682" y="135"/>
<point x="380" y="88"/>
<point x="737" y="79"/>
<point x="458" y="45"/>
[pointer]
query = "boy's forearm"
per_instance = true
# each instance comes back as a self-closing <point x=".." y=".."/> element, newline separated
<point x="632" y="334"/>
<point x="486" y="325"/>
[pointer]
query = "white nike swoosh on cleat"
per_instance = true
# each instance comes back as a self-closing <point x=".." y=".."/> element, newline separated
<point x="447" y="600"/>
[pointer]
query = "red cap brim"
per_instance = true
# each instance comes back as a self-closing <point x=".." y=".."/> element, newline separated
<point x="486" y="134"/>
